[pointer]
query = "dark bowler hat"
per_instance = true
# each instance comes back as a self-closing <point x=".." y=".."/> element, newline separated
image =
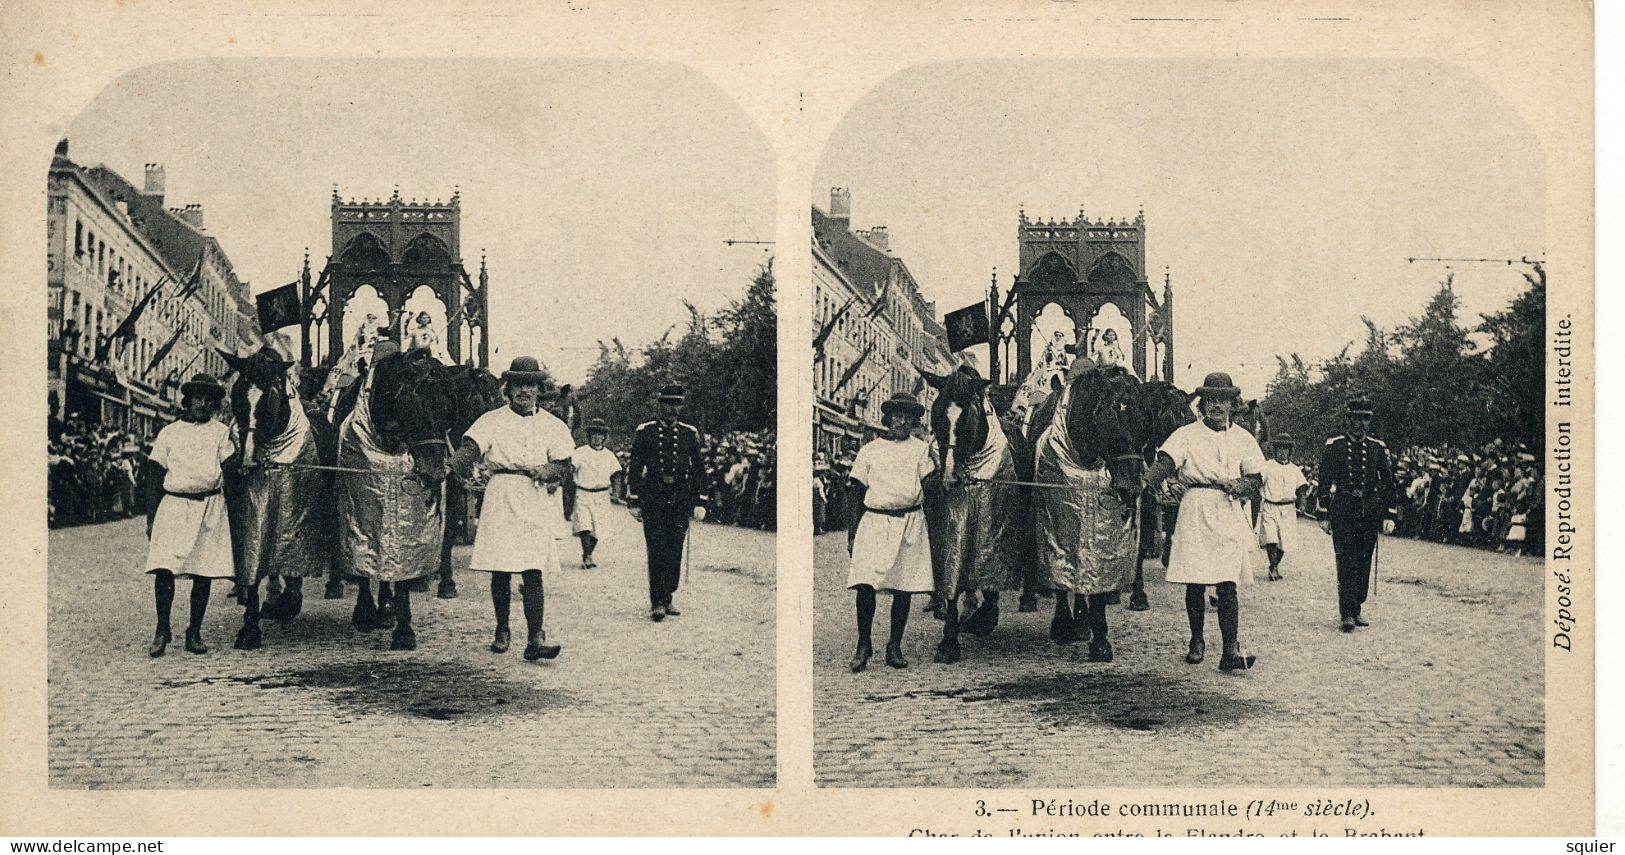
<point x="525" y="369"/>
<point x="672" y="393"/>
<point x="205" y="385"/>
<point x="1218" y="385"/>
<point x="903" y="402"/>
<point x="1359" y="407"/>
<point x="1284" y="439"/>
<point x="597" y="426"/>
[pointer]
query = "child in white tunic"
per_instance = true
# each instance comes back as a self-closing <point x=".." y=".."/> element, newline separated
<point x="1284" y="484"/>
<point x="1216" y="466"/>
<point x="526" y="449"/>
<point x="595" y="467"/>
<point x="187" y="529"/>
<point x="886" y="534"/>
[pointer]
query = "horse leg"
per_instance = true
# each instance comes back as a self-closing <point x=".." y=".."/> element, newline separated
<point x="385" y="618"/>
<point x="1100" y="646"/>
<point x="365" y="615"/>
<point x="447" y="589"/>
<point x="403" y="638"/>
<point x="1137" y="601"/>
<point x="984" y="618"/>
<point x="294" y="596"/>
<point x="948" y="647"/>
<point x="1060" y="626"/>
<point x="250" y="637"/>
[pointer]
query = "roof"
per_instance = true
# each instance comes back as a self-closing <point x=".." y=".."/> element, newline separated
<point x="864" y="265"/>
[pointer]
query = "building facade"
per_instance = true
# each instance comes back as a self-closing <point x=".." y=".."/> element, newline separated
<point x="109" y="245"/>
<point x="888" y="330"/>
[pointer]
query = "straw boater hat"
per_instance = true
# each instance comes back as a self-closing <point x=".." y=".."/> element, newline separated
<point x="205" y="385"/>
<point x="1359" y="407"/>
<point x="672" y="393"/>
<point x="525" y="369"/>
<point x="1218" y="385"/>
<point x="597" y="426"/>
<point x="902" y="402"/>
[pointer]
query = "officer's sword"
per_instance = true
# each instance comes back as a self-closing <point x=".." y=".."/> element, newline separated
<point x="1376" y="556"/>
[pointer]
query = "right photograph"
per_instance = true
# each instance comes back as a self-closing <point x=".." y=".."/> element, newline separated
<point x="1178" y="423"/>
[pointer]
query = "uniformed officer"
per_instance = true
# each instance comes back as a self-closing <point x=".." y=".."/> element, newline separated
<point x="665" y="481"/>
<point x="1357" y="492"/>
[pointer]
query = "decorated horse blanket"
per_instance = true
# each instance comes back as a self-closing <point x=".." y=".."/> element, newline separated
<point x="1087" y="538"/>
<point x="387" y="532"/>
<point x="980" y="524"/>
<point x="280" y="515"/>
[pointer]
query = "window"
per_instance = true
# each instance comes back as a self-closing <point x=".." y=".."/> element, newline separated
<point x="78" y="239"/>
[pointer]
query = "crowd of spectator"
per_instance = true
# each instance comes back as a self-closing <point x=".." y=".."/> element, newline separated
<point x="1488" y="498"/>
<point x="93" y="474"/>
<point x="743" y="470"/>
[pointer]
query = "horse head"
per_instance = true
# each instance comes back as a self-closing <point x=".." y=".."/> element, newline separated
<point x="1108" y="422"/>
<point x="1168" y="408"/>
<point x="259" y="398"/>
<point x="413" y="409"/>
<point x="965" y="431"/>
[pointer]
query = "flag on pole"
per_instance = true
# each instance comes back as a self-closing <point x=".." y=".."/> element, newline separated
<point x="880" y="303"/>
<point x="163" y="351"/>
<point x="126" y="328"/>
<point x="967" y="327"/>
<point x="846" y="377"/>
<point x="278" y="307"/>
<point x="829" y="327"/>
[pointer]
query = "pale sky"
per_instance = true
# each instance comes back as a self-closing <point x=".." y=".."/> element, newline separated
<point x="601" y="192"/>
<point x="1284" y="196"/>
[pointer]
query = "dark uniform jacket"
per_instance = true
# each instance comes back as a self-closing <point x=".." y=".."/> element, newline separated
<point x="1364" y="477"/>
<point x="665" y="469"/>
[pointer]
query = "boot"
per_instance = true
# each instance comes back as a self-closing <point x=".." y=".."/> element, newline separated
<point x="403" y="639"/>
<point x="539" y="647"/>
<point x="1197" y="652"/>
<point x="982" y="622"/>
<point x="499" y="642"/>
<point x="894" y="655"/>
<point x="249" y="638"/>
<point x="160" y="640"/>
<point x="860" y="659"/>
<point x="1234" y="660"/>
<point x="194" y="641"/>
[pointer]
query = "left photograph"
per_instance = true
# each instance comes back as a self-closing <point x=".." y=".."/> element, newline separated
<point x="411" y="425"/>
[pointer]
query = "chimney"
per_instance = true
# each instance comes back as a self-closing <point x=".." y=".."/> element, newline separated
<point x="877" y="237"/>
<point x="191" y="214"/>
<point x="840" y="203"/>
<point x="155" y="180"/>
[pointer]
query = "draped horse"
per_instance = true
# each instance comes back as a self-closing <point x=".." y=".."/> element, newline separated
<point x="393" y="448"/>
<point x="1077" y="531"/>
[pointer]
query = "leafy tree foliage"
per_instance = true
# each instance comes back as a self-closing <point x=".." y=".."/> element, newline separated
<point x="727" y="361"/>
<point x="1428" y="381"/>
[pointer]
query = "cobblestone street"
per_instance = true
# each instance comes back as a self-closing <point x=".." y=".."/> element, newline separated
<point x="1444" y="689"/>
<point x="630" y="703"/>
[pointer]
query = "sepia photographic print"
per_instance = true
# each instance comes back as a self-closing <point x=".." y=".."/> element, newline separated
<point x="1186" y="413"/>
<point x="1167" y="435"/>
<point x="400" y="390"/>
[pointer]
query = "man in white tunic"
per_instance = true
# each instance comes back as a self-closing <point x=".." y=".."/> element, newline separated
<point x="527" y="450"/>
<point x="594" y="466"/>
<point x="886" y="534"/>
<point x="1284" y="484"/>
<point x="1215" y="467"/>
<point x="187" y="529"/>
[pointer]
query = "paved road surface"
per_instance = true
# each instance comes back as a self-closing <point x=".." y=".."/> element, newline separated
<point x="1445" y="689"/>
<point x="630" y="703"/>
